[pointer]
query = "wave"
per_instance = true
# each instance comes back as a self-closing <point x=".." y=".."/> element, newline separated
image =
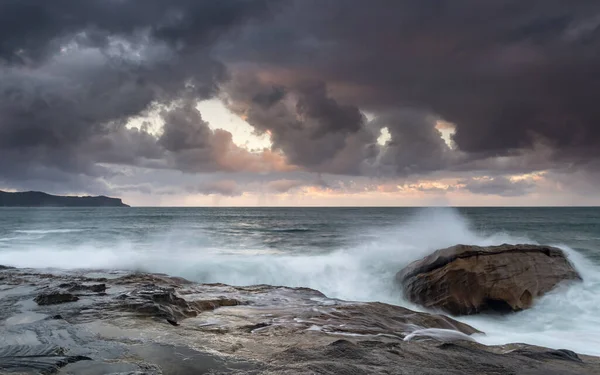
<point x="363" y="272"/>
<point x="48" y="231"/>
<point x="256" y="228"/>
<point x="567" y="319"/>
<point x="289" y="230"/>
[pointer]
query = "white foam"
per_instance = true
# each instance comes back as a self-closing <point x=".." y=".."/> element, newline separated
<point x="440" y="334"/>
<point x="568" y="317"/>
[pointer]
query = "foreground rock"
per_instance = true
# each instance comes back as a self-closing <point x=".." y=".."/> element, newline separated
<point x="54" y="298"/>
<point x="155" y="324"/>
<point x="467" y="279"/>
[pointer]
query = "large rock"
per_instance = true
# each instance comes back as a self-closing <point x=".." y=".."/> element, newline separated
<point x="466" y="279"/>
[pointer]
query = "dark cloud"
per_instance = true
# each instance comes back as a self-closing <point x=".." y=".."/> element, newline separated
<point x="498" y="186"/>
<point x="228" y="188"/>
<point x="192" y="146"/>
<point x="25" y="176"/>
<point x="517" y="79"/>
<point x="312" y="129"/>
<point x="184" y="129"/>
<point x="322" y="134"/>
<point x="284" y="186"/>
<point x="72" y="73"/>
<point x="415" y="145"/>
<point x="35" y="28"/>
<point x="508" y="73"/>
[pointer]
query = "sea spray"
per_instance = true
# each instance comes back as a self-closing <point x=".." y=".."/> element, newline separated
<point x="568" y="317"/>
<point x="364" y="271"/>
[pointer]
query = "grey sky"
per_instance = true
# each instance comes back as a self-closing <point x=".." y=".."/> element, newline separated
<point x="512" y="83"/>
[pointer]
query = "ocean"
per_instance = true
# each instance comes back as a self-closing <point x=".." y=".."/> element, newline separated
<point x="346" y="253"/>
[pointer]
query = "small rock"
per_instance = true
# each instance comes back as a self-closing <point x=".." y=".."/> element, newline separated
<point x="53" y="298"/>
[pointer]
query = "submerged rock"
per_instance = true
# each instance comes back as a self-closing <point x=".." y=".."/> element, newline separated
<point x="466" y="279"/>
<point x="54" y="298"/>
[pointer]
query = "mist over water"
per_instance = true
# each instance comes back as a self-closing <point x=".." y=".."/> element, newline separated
<point x="351" y="254"/>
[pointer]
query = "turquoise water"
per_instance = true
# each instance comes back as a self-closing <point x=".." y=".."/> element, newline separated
<point x="349" y="253"/>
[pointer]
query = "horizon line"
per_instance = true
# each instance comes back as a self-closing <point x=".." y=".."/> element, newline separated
<point x="130" y="206"/>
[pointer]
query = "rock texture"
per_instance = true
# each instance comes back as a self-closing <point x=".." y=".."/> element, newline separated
<point x="54" y="298"/>
<point x="122" y="327"/>
<point x="43" y="359"/>
<point x="466" y="279"/>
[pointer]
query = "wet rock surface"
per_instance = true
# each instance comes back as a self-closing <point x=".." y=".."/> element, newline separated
<point x="54" y="298"/>
<point x="78" y="287"/>
<point x="162" y="302"/>
<point x="155" y="324"/>
<point x="45" y="359"/>
<point x="465" y="279"/>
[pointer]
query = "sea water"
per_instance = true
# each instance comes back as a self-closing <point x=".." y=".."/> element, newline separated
<point x="346" y="253"/>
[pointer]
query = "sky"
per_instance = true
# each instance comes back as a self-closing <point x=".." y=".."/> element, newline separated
<point x="303" y="102"/>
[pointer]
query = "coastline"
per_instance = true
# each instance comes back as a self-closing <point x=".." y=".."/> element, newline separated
<point x="34" y="199"/>
<point x="123" y="322"/>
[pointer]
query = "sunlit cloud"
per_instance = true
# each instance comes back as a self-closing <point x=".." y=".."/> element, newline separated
<point x="447" y="130"/>
<point x="220" y="117"/>
<point x="384" y="137"/>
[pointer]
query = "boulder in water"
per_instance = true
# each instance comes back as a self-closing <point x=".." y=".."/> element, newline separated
<point x="465" y="279"/>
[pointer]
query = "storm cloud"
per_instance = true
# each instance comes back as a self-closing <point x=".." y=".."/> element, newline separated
<point x="461" y="88"/>
<point x="499" y="185"/>
<point x="312" y="129"/>
<point x="509" y="74"/>
<point x="72" y="73"/>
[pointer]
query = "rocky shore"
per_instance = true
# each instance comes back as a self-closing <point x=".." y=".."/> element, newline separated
<point x="108" y="322"/>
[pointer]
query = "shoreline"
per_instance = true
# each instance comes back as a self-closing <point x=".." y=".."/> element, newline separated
<point x="122" y="322"/>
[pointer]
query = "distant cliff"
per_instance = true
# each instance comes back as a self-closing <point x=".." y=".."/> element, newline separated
<point x="39" y="199"/>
